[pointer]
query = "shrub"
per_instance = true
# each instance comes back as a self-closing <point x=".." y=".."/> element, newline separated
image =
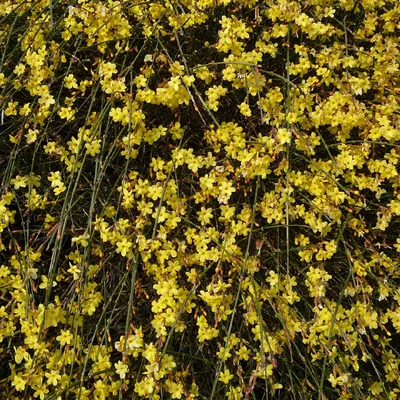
<point x="199" y="199"/>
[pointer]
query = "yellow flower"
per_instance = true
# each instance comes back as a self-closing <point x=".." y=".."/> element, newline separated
<point x="65" y="337"/>
<point x="284" y="135"/>
<point x="121" y="369"/>
<point x="93" y="147"/>
<point x="66" y="113"/>
<point x="40" y="391"/>
<point x="243" y="353"/>
<point x="52" y="377"/>
<point x="204" y="215"/>
<point x="19" y="382"/>
<point x="123" y="246"/>
<point x="244" y="109"/>
<point x="60" y="189"/>
<point x="31" y="136"/>
<point x="25" y="110"/>
<point x="19" y="69"/>
<point x="21" y="354"/>
<point x="46" y="99"/>
<point x="225" y="191"/>
<point x="19" y="181"/>
<point x="74" y="270"/>
<point x="82" y="240"/>
<point x="11" y="108"/>
<point x="70" y="82"/>
<point x="225" y="376"/>
<point x="3" y="79"/>
<point x="205" y="74"/>
<point x="107" y="69"/>
<point x="45" y="282"/>
<point x="175" y="389"/>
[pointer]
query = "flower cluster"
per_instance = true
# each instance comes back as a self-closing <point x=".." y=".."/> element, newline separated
<point x="199" y="199"/>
